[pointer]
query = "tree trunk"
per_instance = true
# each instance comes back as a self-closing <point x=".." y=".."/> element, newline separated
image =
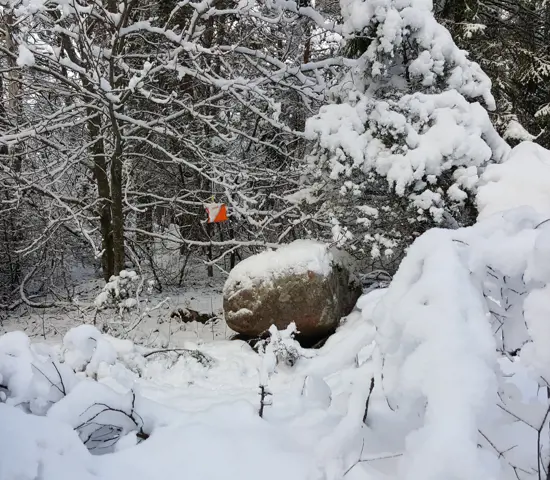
<point x="116" y="210"/>
<point x="104" y="193"/>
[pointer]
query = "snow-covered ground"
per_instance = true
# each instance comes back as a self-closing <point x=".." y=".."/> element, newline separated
<point x="149" y="322"/>
<point x="134" y="412"/>
<point x="201" y="414"/>
<point x="444" y="375"/>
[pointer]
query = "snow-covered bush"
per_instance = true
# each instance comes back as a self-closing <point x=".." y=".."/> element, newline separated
<point x="101" y="416"/>
<point x="42" y="381"/>
<point x="123" y="291"/>
<point x="461" y="300"/>
<point x="128" y="294"/>
<point x="400" y="146"/>
<point x="120" y="292"/>
<point x="85" y="349"/>
<point x="280" y="348"/>
<point x="31" y="376"/>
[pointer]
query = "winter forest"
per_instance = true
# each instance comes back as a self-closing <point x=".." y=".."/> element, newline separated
<point x="275" y="239"/>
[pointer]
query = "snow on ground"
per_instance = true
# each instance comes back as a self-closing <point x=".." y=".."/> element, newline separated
<point x="442" y="376"/>
<point x="150" y="319"/>
<point x="97" y="407"/>
<point x="201" y="412"/>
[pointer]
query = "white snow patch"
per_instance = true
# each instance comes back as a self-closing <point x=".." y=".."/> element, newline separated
<point x="523" y="180"/>
<point x="516" y="131"/>
<point x="25" y="57"/>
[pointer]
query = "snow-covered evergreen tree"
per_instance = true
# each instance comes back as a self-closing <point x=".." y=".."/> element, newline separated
<point x="405" y="135"/>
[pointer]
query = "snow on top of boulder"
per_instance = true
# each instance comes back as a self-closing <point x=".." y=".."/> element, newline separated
<point x="523" y="180"/>
<point x="294" y="258"/>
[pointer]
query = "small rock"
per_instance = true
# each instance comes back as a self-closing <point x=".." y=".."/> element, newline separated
<point x="187" y="315"/>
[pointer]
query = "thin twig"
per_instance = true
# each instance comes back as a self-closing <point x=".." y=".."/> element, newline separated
<point x="371" y="388"/>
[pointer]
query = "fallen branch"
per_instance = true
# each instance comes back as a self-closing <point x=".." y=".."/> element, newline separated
<point x="196" y="354"/>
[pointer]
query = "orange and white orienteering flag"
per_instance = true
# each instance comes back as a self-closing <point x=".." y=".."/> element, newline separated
<point x="217" y="212"/>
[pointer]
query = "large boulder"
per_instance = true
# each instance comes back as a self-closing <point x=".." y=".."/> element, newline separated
<point x="305" y="282"/>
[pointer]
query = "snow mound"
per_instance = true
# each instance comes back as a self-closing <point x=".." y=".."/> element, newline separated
<point x="295" y="258"/>
<point x="86" y="349"/>
<point x="523" y="180"/>
<point x="438" y="345"/>
<point x="209" y="446"/>
<point x="33" y="447"/>
<point x="459" y="297"/>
